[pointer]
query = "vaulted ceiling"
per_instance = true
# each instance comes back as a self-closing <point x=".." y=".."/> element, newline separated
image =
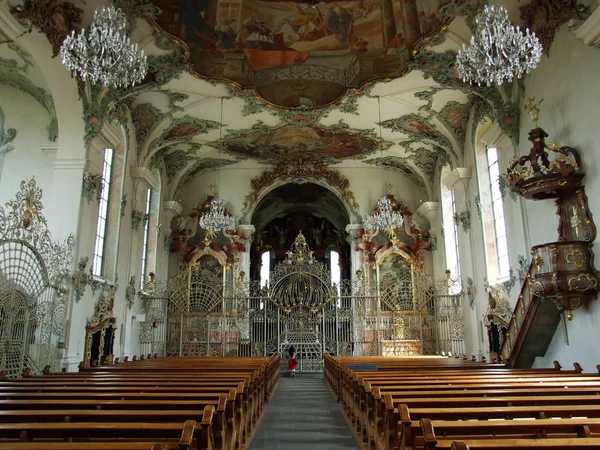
<point x="325" y="81"/>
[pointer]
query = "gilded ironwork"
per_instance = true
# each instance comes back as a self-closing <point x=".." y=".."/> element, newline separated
<point x="33" y="283"/>
<point x="211" y="309"/>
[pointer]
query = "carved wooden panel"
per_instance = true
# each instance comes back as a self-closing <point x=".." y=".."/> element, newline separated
<point x="575" y="221"/>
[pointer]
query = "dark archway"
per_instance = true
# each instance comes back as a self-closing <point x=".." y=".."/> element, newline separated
<point x="293" y="208"/>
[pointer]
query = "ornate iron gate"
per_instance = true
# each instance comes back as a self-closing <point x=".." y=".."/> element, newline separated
<point x="395" y="310"/>
<point x="33" y="283"/>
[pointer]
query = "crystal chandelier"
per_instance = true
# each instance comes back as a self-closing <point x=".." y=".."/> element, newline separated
<point x="105" y="54"/>
<point x="384" y="218"/>
<point x="498" y="51"/>
<point x="216" y="219"/>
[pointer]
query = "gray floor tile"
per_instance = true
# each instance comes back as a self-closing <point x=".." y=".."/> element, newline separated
<point x="303" y="416"/>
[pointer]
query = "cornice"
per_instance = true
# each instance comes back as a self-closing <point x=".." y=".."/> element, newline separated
<point x="146" y="175"/>
<point x="588" y="31"/>
<point x="10" y="28"/>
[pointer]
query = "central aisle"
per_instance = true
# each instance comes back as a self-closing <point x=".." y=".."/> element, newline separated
<point x="303" y="415"/>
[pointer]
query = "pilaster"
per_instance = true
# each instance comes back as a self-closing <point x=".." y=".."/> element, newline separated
<point x="244" y="263"/>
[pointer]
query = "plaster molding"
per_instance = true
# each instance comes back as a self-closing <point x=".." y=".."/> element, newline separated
<point x="69" y="164"/>
<point x="4" y="149"/>
<point x="352" y="229"/>
<point x="111" y="136"/>
<point x="248" y="231"/>
<point x="50" y="149"/>
<point x="173" y="207"/>
<point x="458" y="177"/>
<point x="589" y="30"/>
<point x="146" y="175"/>
<point x="10" y="28"/>
<point x="497" y="137"/>
<point x="429" y="211"/>
<point x="92" y="168"/>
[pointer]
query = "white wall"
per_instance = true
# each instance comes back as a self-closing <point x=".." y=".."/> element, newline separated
<point x="27" y="160"/>
<point x="568" y="82"/>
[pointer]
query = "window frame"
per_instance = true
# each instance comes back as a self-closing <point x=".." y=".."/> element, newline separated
<point x="102" y="216"/>
<point x="146" y="239"/>
<point x="497" y="203"/>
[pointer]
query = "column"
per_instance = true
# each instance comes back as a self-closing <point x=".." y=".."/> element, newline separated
<point x="244" y="264"/>
<point x="429" y="211"/>
<point x="170" y="210"/>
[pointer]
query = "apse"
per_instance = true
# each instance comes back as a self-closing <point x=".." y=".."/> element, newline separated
<point x="309" y="209"/>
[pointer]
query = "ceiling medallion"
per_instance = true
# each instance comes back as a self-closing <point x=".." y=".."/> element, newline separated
<point x="499" y="51"/>
<point x="105" y="54"/>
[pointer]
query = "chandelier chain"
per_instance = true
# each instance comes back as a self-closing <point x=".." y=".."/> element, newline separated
<point x="217" y="219"/>
<point x="384" y="218"/>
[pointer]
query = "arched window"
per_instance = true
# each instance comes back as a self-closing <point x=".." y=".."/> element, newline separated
<point x="450" y="227"/>
<point x="492" y="216"/>
<point x="100" y="241"/>
<point x="265" y="268"/>
<point x="336" y="271"/>
<point x="146" y="237"/>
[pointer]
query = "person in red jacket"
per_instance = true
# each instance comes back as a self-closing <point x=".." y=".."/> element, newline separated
<point x="292" y="362"/>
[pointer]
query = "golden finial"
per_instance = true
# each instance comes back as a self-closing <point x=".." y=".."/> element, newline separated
<point x="211" y="189"/>
<point x="389" y="187"/>
<point x="533" y="109"/>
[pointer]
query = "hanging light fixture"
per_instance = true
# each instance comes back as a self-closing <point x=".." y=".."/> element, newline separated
<point x="498" y="51"/>
<point x="216" y="219"/>
<point x="105" y="54"/>
<point x="384" y="218"/>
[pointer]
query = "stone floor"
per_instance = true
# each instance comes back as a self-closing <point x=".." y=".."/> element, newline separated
<point x="303" y="415"/>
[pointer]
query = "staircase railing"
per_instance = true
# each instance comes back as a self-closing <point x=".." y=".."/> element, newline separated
<point x="517" y="328"/>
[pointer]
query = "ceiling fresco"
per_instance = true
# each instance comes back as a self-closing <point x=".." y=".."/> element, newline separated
<point x="313" y="142"/>
<point x="299" y="53"/>
<point x="304" y="85"/>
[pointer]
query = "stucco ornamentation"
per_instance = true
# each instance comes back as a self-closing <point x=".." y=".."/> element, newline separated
<point x="299" y="173"/>
<point x="139" y="8"/>
<point x="464" y="218"/>
<point x="22" y="220"/>
<point x="19" y="81"/>
<point x="403" y="166"/>
<point x="56" y="20"/>
<point x="6" y="135"/>
<point x="92" y="187"/>
<point x="138" y="218"/>
<point x="130" y="293"/>
<point x="544" y="18"/>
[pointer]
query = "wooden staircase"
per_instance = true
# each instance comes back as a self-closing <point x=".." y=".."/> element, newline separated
<point x="532" y="327"/>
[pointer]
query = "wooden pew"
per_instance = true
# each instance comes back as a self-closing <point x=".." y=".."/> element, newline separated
<point x="44" y="433"/>
<point x="235" y="389"/>
<point x="522" y="444"/>
<point x="503" y="429"/>
<point x="403" y="426"/>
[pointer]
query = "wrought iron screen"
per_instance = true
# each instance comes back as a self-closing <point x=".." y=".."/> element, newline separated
<point x="401" y="312"/>
<point x="33" y="283"/>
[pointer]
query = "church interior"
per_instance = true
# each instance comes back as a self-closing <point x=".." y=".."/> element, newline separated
<point x="317" y="175"/>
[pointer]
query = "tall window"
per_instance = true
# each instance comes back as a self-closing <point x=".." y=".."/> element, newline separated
<point x="146" y="236"/>
<point x="265" y="268"/>
<point x="499" y="252"/>
<point x="451" y="243"/>
<point x="99" y="246"/>
<point x="336" y="272"/>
